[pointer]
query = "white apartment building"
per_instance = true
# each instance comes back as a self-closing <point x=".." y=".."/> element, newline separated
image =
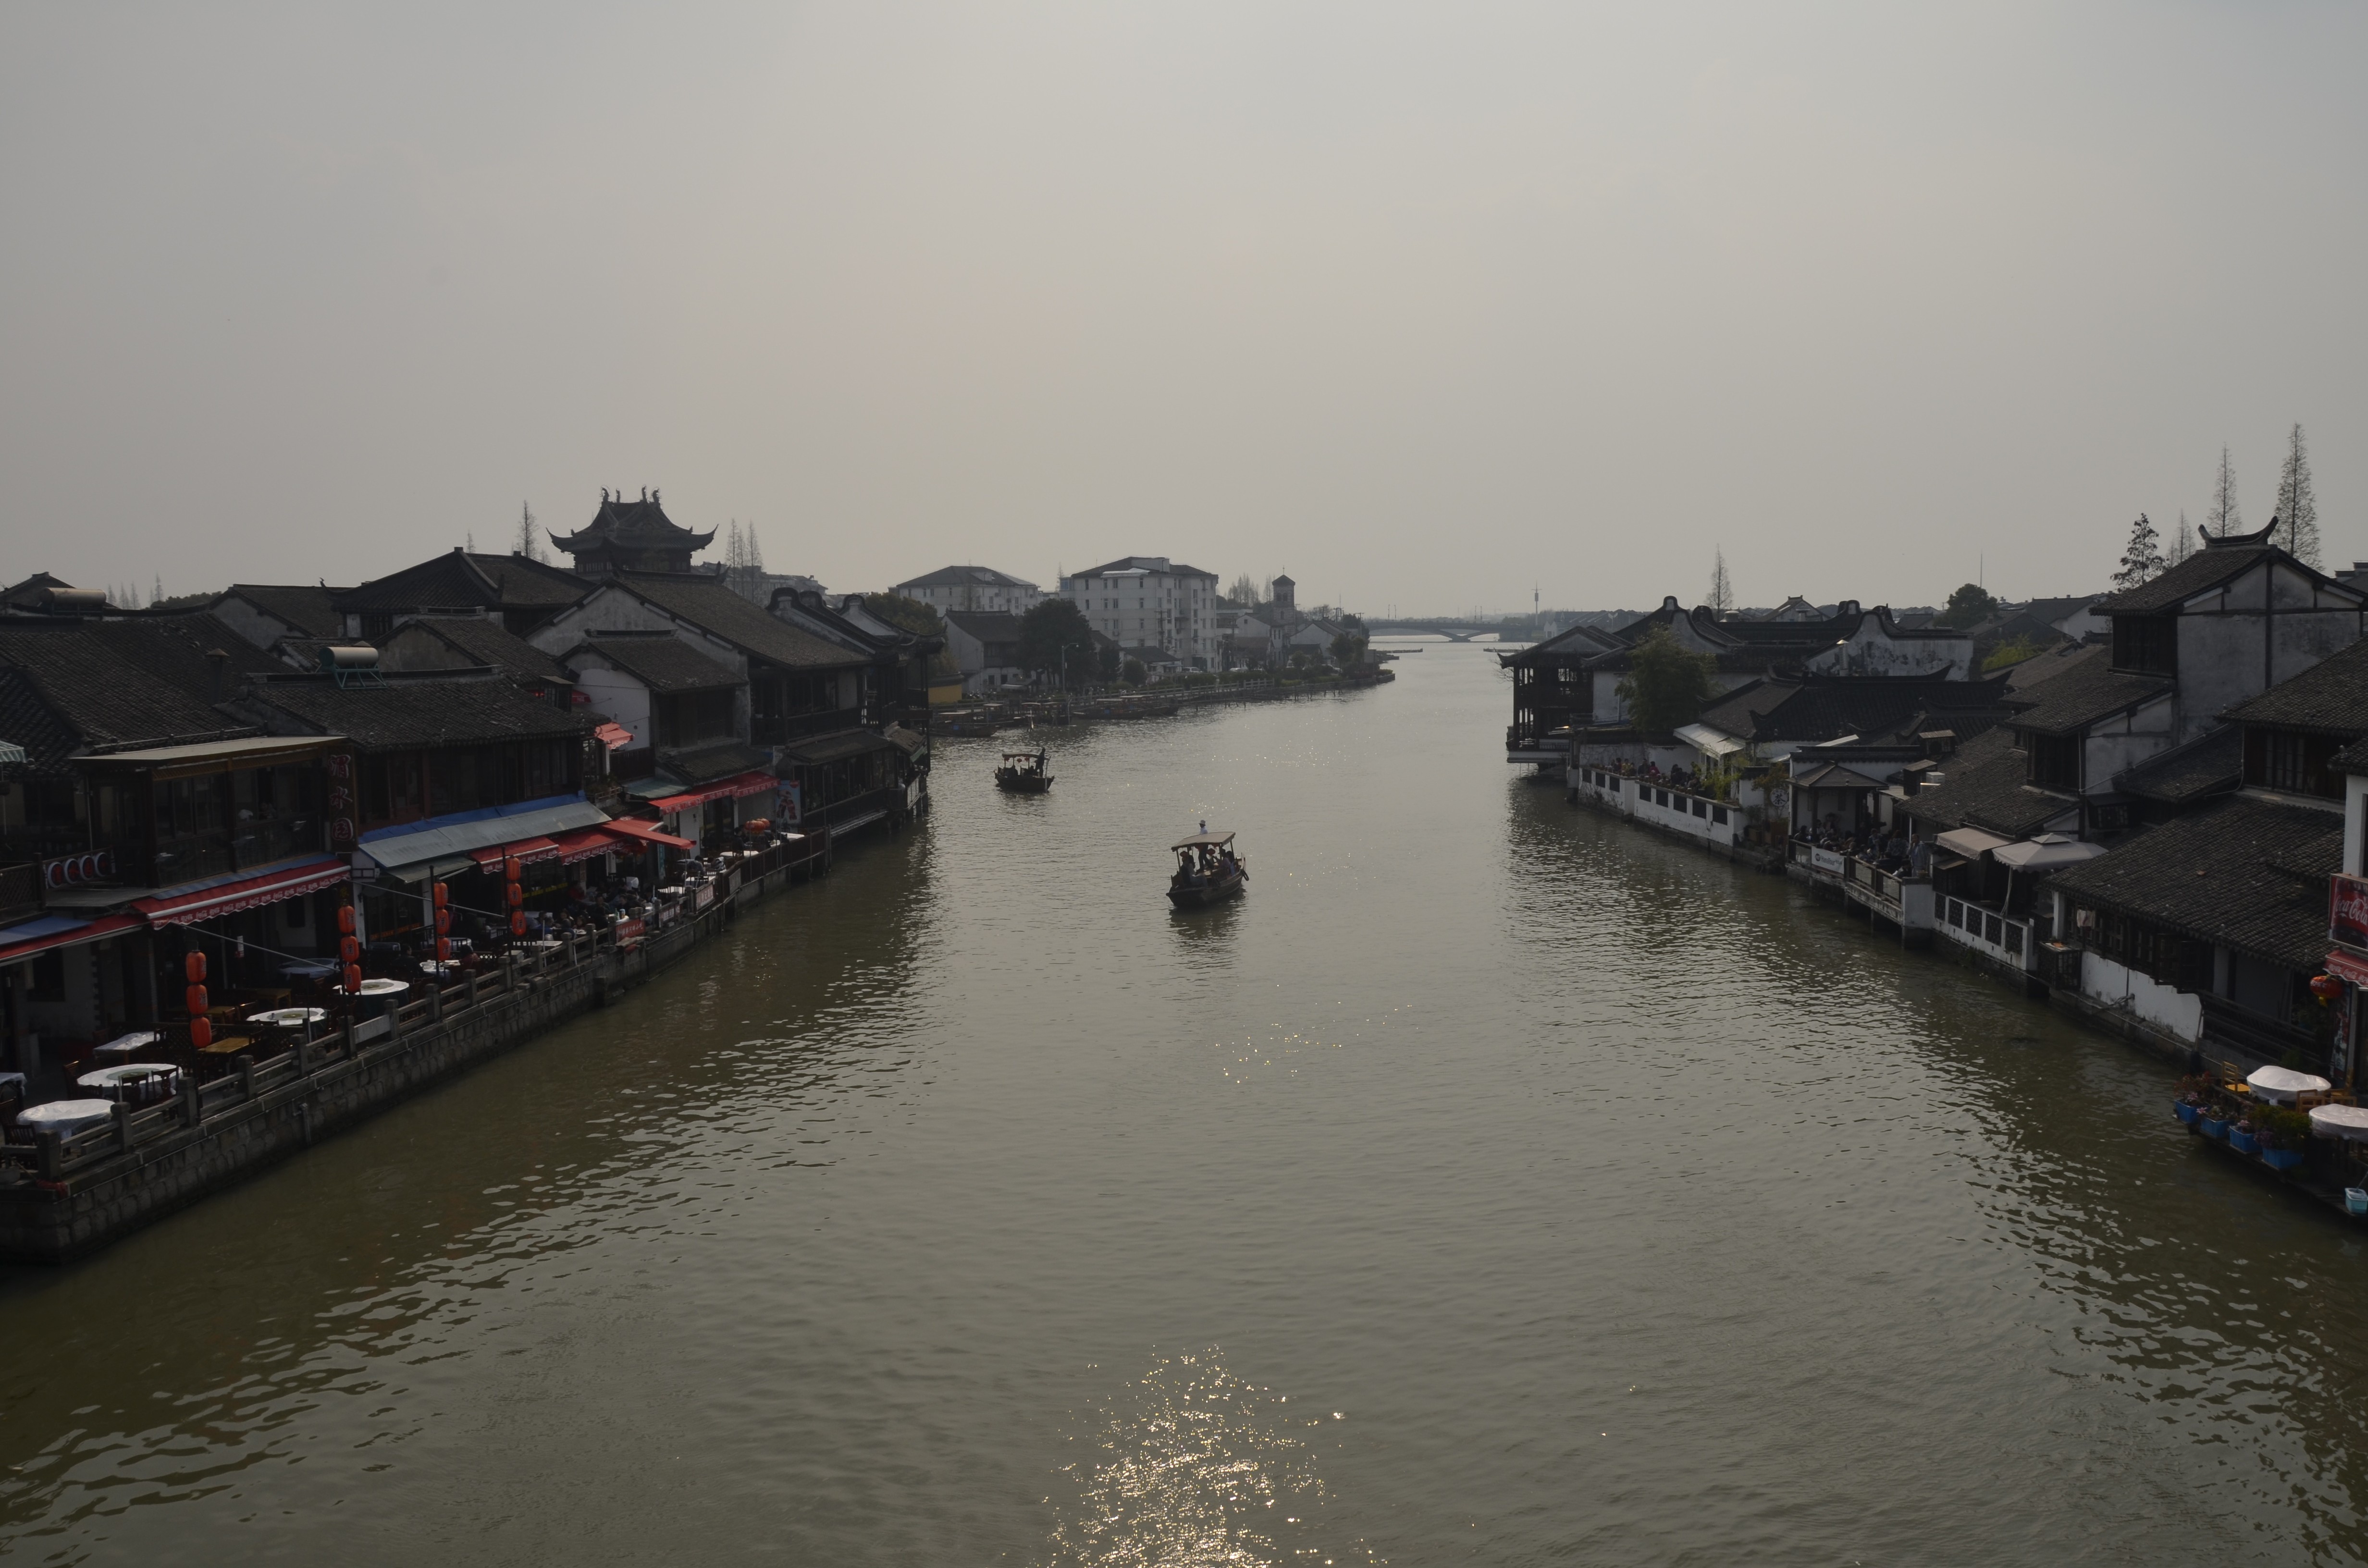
<point x="1150" y="601"/>
<point x="980" y="588"/>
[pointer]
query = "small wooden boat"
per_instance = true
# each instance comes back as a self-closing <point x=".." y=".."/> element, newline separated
<point x="1024" y="773"/>
<point x="1206" y="869"/>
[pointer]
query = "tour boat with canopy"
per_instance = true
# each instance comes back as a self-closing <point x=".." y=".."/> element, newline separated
<point x="1025" y="772"/>
<point x="1206" y="869"/>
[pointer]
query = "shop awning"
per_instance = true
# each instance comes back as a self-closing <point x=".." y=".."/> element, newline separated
<point x="1707" y="741"/>
<point x="527" y="850"/>
<point x="836" y="747"/>
<point x="613" y="734"/>
<point x="246" y="892"/>
<point x="722" y="789"/>
<point x="646" y="833"/>
<point x="586" y="842"/>
<point x="2348" y="966"/>
<point x="58" y="931"/>
<point x="2048" y="852"/>
<point x="11" y="752"/>
<point x="1971" y="842"/>
<point x="449" y="839"/>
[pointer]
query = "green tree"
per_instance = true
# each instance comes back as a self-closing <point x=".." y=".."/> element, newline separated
<point x="921" y="621"/>
<point x="1970" y="602"/>
<point x="1349" y="649"/>
<point x="1054" y="636"/>
<point x="2011" y="653"/>
<point x="1667" y="683"/>
<point x="2142" y="559"/>
<point x="912" y="615"/>
<point x="1132" y="673"/>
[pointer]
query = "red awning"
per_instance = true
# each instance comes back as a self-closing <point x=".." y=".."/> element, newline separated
<point x="249" y="892"/>
<point x="2348" y="966"/>
<point x="610" y="734"/>
<point x="105" y="926"/>
<point x="586" y="842"/>
<point x="738" y="785"/>
<point x="527" y="850"/>
<point x="646" y="833"/>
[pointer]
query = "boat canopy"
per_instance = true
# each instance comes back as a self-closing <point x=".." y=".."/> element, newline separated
<point x="1213" y="840"/>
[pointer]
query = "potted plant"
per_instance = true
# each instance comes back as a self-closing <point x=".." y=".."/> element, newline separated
<point x="2241" y="1139"/>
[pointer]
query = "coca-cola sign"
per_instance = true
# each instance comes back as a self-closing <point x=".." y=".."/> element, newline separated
<point x="2346" y="910"/>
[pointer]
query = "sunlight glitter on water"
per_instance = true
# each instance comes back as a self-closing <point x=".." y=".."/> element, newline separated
<point x="1191" y="1467"/>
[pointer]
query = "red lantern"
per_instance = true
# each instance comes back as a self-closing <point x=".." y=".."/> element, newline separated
<point x="439" y="895"/>
<point x="345" y="918"/>
<point x="195" y="998"/>
<point x="510" y="869"/>
<point x="353" y="978"/>
<point x="443" y="951"/>
<point x="202" y="1031"/>
<point x="194" y="967"/>
<point x="443" y="922"/>
<point x="2326" y="987"/>
<point x="350" y="950"/>
<point x="517" y="895"/>
<point x="517" y="925"/>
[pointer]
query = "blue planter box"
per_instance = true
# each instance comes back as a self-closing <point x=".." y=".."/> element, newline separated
<point x="2213" y="1129"/>
<point x="2186" y="1113"/>
<point x="2244" y="1143"/>
<point x="2282" y="1159"/>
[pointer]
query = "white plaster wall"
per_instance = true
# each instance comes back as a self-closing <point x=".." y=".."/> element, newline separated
<point x="2124" y="741"/>
<point x="1869" y="652"/>
<point x="2355" y="813"/>
<point x="2175" y="1012"/>
<point x="620" y="697"/>
<point x="612" y="609"/>
<point x="249" y="623"/>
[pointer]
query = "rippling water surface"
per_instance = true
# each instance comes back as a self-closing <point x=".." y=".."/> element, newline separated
<point x="1494" y="1183"/>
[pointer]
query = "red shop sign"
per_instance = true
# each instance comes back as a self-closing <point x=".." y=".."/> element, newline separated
<point x="2346" y="910"/>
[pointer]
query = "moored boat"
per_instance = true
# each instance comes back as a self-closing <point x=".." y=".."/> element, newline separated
<point x="1206" y="869"/>
<point x="1025" y="772"/>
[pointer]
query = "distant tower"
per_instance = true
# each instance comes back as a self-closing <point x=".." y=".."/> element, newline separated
<point x="631" y="536"/>
<point x="1286" y="594"/>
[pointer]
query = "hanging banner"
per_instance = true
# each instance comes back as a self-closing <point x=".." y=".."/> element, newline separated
<point x="2346" y="910"/>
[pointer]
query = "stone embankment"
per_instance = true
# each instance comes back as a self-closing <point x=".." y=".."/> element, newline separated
<point x="59" y="1198"/>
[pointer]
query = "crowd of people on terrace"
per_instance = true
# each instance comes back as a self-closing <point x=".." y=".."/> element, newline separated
<point x="1684" y="778"/>
<point x="1887" y="849"/>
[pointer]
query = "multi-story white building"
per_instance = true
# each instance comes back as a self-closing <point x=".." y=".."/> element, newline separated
<point x="1150" y="601"/>
<point x="972" y="589"/>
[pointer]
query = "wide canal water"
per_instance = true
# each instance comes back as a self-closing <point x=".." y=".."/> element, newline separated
<point x="1496" y="1183"/>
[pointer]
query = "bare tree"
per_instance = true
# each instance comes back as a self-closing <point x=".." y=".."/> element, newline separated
<point x="1245" y="591"/>
<point x="1722" y="591"/>
<point x="2298" y="503"/>
<point x="2182" y="542"/>
<point x="2224" y="517"/>
<point x="529" y="544"/>
<point x="2143" y="558"/>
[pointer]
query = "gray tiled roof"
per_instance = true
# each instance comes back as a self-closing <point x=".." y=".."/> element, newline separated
<point x="84" y="685"/>
<point x="705" y="765"/>
<point x="2330" y="695"/>
<point x="2181" y="777"/>
<point x="406" y="712"/>
<point x="964" y="577"/>
<point x="1982" y="786"/>
<point x="303" y="606"/>
<point x="2086" y="690"/>
<point x="2247" y="873"/>
<point x="486" y="642"/>
<point x="660" y="662"/>
<point x="708" y="604"/>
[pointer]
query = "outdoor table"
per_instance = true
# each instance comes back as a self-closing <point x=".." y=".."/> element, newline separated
<point x="2347" y="1121"/>
<point x="68" y="1119"/>
<point x="2282" y="1083"/>
<point x="136" y="1083"/>
<point x="124" y="1048"/>
<point x="225" y="1045"/>
<point x="288" y="1018"/>
<point x="439" y="969"/>
<point x="376" y="995"/>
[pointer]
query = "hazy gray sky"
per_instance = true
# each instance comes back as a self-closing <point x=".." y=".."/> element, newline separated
<point x="1425" y="303"/>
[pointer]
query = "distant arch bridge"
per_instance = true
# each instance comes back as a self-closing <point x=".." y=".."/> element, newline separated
<point x="1507" y="628"/>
